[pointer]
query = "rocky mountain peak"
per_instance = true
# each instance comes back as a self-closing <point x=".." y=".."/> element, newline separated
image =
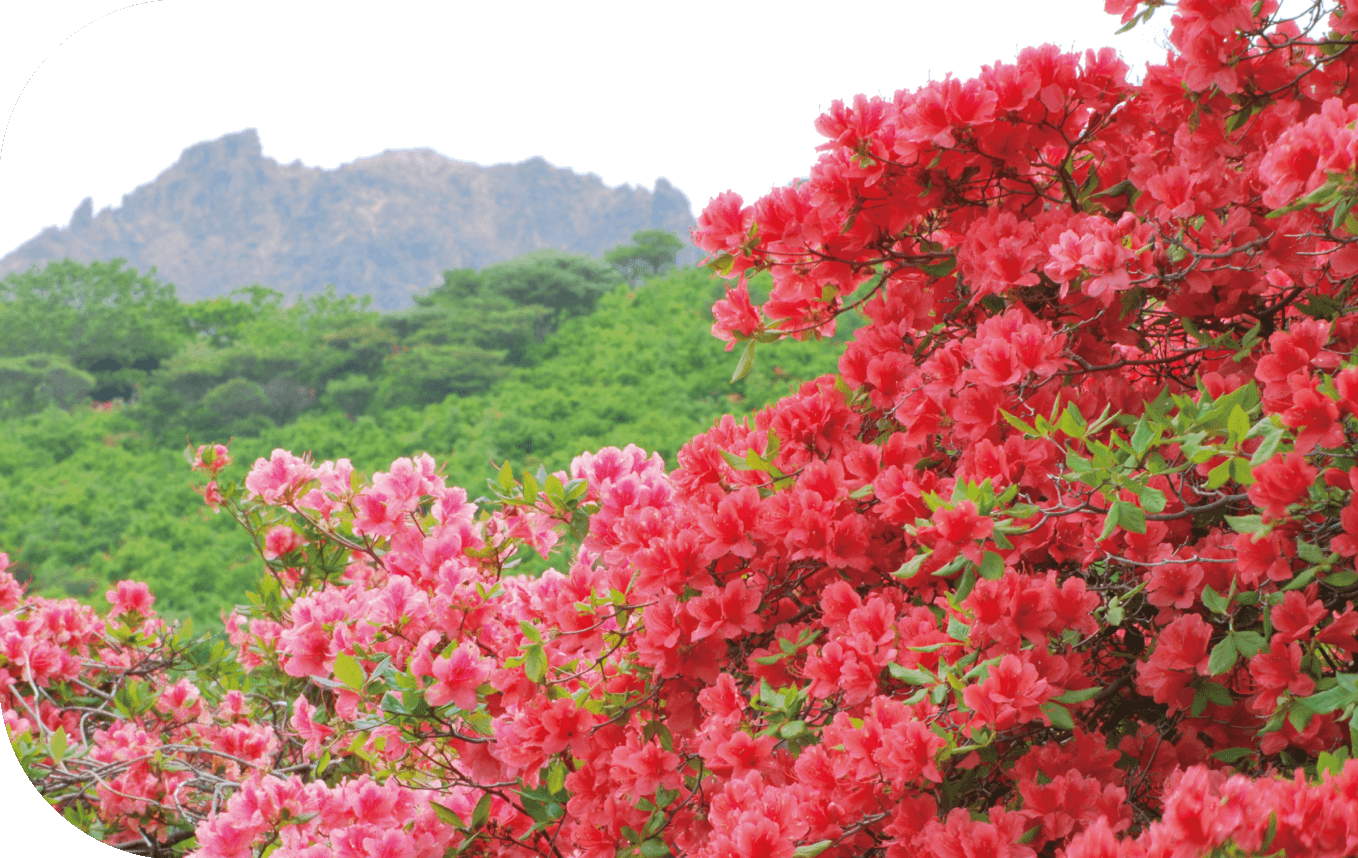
<point x="225" y="215"/>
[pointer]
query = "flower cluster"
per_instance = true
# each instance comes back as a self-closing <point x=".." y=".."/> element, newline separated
<point x="1060" y="563"/>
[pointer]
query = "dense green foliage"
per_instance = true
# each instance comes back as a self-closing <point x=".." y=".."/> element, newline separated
<point x="86" y="500"/>
<point x="651" y="252"/>
<point x="533" y="361"/>
<point x="73" y="330"/>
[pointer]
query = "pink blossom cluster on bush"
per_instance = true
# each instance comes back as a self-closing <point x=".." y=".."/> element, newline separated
<point x="1061" y="562"/>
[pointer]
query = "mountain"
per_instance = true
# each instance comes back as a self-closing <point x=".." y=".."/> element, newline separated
<point x="225" y="216"/>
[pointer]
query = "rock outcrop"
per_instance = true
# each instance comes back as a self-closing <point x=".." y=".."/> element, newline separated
<point x="225" y="216"/>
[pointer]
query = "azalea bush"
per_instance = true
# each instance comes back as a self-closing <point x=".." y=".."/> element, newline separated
<point x="1061" y="562"/>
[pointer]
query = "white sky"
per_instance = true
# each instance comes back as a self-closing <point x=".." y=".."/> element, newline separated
<point x="719" y="95"/>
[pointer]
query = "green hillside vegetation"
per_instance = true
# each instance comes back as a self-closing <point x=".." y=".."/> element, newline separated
<point x="533" y="360"/>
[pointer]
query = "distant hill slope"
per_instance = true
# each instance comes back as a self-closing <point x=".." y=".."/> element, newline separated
<point x="225" y="216"/>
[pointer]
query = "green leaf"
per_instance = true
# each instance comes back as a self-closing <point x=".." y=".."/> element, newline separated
<point x="349" y="671"/>
<point x="1216" y="693"/>
<point x="1152" y="500"/>
<point x="1310" y="552"/>
<point x="811" y="850"/>
<point x="482" y="812"/>
<point x="1110" y="521"/>
<point x="940" y="269"/>
<point x="1299" y="715"/>
<point x="448" y="815"/>
<point x="1143" y="437"/>
<point x="1238" y="425"/>
<point x="769" y="696"/>
<point x="1199" y="706"/>
<point x="1218" y="476"/>
<point x="576" y="489"/>
<point x="530" y="631"/>
<point x="556" y="777"/>
<point x="1192" y="329"/>
<point x="1214" y="601"/>
<point x="1131" y="518"/>
<point x="1304" y="579"/>
<point x="1331" y="763"/>
<point x="1234" y="755"/>
<point x="1246" y="523"/>
<point x="1272" y="436"/>
<point x="911" y="567"/>
<point x="1330" y="699"/>
<point x="654" y="848"/>
<point x="992" y="566"/>
<point x="481" y="722"/>
<point x="1072" y="422"/>
<point x="911" y="676"/>
<point x="555" y="491"/>
<point x="994" y="303"/>
<point x="1346" y="578"/>
<point x="1025" y="428"/>
<point x="965" y="585"/>
<point x="322" y="765"/>
<point x="394" y="704"/>
<point x="580" y="523"/>
<point x="1249" y="643"/>
<point x="535" y="663"/>
<point x="1223" y="657"/>
<point x="657" y="730"/>
<point x="745" y="362"/>
<point x="1320" y="306"/>
<point x="1115" y="613"/>
<point x="58" y="746"/>
<point x="1079" y="696"/>
<point x="1058" y="715"/>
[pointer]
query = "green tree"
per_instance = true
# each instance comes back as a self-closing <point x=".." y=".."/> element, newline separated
<point x="651" y="252"/>
<point x="567" y="284"/>
<point x="464" y="311"/>
<point x="33" y="382"/>
<point x="349" y="394"/>
<point x="464" y="335"/>
<point x="104" y="319"/>
<point x="284" y="354"/>
<point x="238" y="406"/>
<point x="426" y="374"/>
<point x="227" y="319"/>
<point x="507" y="304"/>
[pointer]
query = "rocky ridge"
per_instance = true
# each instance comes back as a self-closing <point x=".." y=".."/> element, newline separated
<point x="225" y="216"/>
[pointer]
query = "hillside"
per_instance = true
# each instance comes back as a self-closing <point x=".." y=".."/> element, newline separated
<point x="93" y="492"/>
<point x="226" y="216"/>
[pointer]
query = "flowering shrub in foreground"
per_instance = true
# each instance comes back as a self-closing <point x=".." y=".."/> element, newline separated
<point x="1060" y="563"/>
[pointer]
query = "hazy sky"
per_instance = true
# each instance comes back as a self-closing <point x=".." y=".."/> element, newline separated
<point x="719" y="95"/>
